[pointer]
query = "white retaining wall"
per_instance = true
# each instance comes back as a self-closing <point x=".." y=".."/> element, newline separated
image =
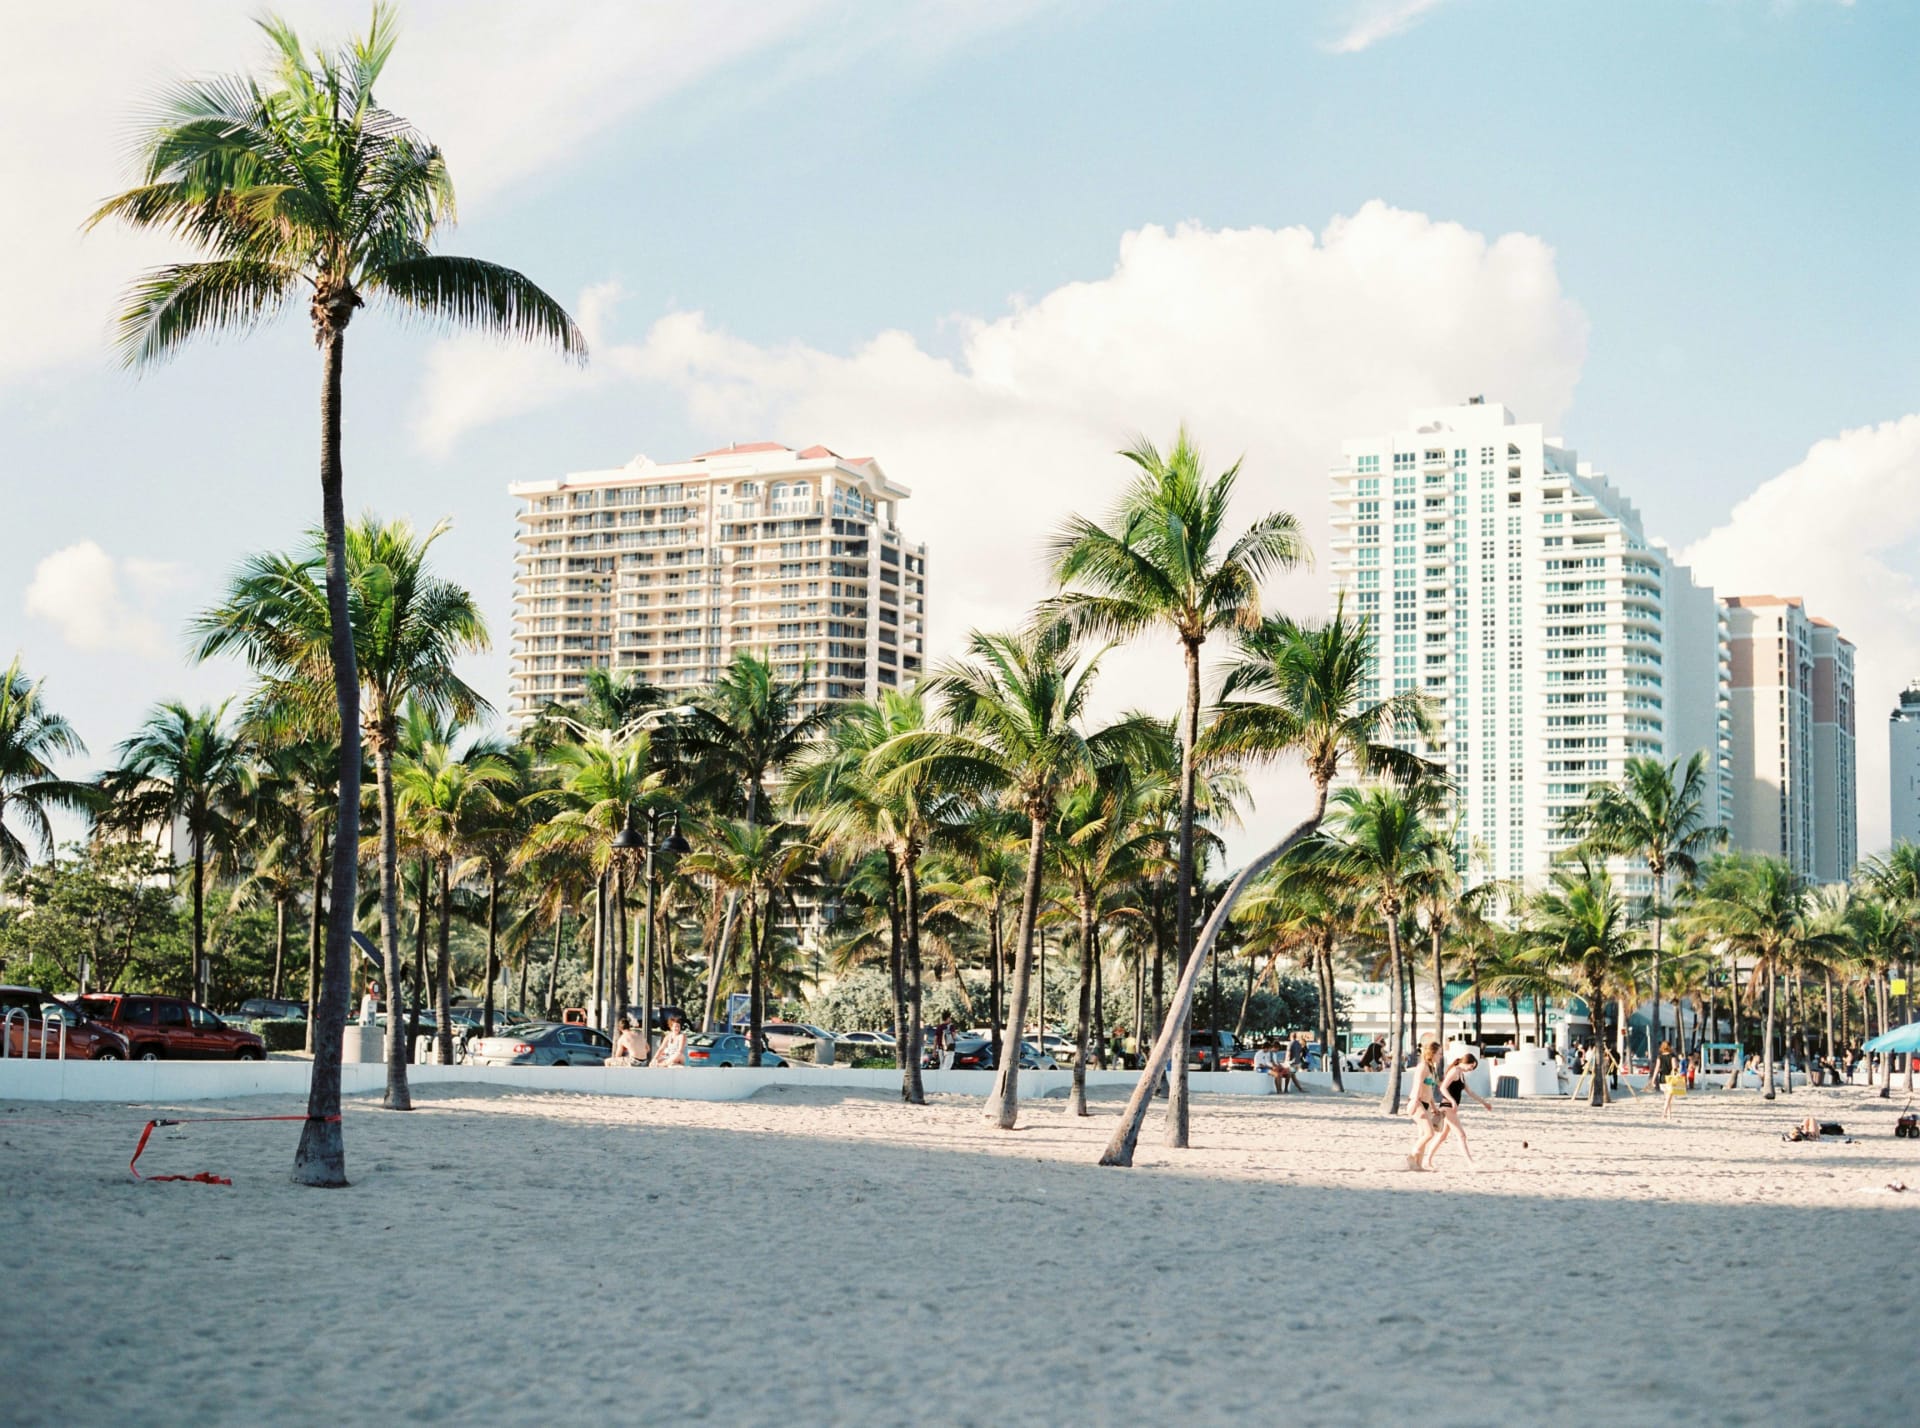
<point x="169" y="1082"/>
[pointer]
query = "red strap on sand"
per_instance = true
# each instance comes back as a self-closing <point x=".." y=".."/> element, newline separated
<point x="204" y="1177"/>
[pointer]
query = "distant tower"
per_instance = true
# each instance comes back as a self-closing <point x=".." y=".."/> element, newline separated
<point x="1903" y="768"/>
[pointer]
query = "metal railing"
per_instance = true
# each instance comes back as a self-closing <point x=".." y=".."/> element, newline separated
<point x="6" y="1033"/>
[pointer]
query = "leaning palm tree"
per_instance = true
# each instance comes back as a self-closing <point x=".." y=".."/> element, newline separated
<point x="1658" y="813"/>
<point x="1166" y="561"/>
<point x="298" y="184"/>
<point x="31" y="737"/>
<point x="187" y="767"/>
<point x="1012" y="711"/>
<point x="409" y="626"/>
<point x="1293" y="690"/>
<point x="446" y="800"/>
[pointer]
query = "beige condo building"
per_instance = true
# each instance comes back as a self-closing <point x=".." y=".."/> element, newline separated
<point x="666" y="571"/>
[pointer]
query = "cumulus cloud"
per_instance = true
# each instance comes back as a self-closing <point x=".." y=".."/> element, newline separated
<point x="101" y="604"/>
<point x="1377" y="20"/>
<point x="1272" y="343"/>
<point x="1839" y="529"/>
<point x="506" y="88"/>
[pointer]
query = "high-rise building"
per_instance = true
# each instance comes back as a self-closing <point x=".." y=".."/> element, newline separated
<point x="1793" y="736"/>
<point x="667" y="571"/>
<point x="1903" y="766"/>
<point x="1514" y="586"/>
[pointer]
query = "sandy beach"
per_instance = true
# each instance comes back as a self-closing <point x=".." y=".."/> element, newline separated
<point x="816" y="1256"/>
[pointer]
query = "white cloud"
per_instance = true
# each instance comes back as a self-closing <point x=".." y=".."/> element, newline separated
<point x="1377" y="20"/>
<point x="1275" y="343"/>
<point x="102" y="605"/>
<point x="1838" y="529"/>
<point x="508" y="89"/>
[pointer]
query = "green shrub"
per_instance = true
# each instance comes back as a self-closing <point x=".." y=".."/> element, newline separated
<point x="281" y="1035"/>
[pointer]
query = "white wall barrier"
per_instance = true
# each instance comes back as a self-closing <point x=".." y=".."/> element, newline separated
<point x="169" y="1082"/>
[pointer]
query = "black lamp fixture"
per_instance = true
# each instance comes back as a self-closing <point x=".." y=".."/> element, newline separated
<point x="628" y="838"/>
<point x="673" y="842"/>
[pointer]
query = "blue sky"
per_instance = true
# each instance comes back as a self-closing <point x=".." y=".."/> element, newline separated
<point x="1714" y="205"/>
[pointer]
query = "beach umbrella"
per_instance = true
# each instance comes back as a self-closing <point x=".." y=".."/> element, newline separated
<point x="1901" y="1039"/>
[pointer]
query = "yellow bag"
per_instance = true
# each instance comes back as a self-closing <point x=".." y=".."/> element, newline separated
<point x="1676" y="1085"/>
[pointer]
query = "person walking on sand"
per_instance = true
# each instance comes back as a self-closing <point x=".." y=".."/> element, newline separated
<point x="1453" y="1089"/>
<point x="1668" y="1076"/>
<point x="673" y="1046"/>
<point x="370" y="1004"/>
<point x="1424" y="1105"/>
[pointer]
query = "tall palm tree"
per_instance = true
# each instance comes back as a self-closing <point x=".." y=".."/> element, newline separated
<point x="981" y="886"/>
<point x="846" y="786"/>
<point x="1577" y="924"/>
<point x="1761" y="909"/>
<point x="31" y="737"/>
<point x="1895" y="877"/>
<point x="1382" y="846"/>
<point x="1012" y="711"/>
<point x="409" y="626"/>
<point x="446" y="799"/>
<point x="602" y="780"/>
<point x="1166" y="560"/>
<point x="760" y="862"/>
<point x="188" y="767"/>
<point x="1292" y="689"/>
<point x="299" y="184"/>
<point x="1658" y="813"/>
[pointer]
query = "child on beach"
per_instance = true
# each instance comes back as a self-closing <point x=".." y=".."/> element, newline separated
<point x="1452" y="1090"/>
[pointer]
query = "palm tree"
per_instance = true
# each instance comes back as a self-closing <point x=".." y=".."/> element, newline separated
<point x="1165" y="561"/>
<point x="302" y="185"/>
<point x="1895" y="877"/>
<point x="1761" y="909"/>
<point x="760" y="862"/>
<point x="602" y="779"/>
<point x="1578" y="925"/>
<point x="1658" y="813"/>
<point x="1382" y="847"/>
<point x="31" y="737"/>
<point x="982" y="883"/>
<point x="1292" y="690"/>
<point x="446" y="799"/>
<point x="1012" y="712"/>
<point x="183" y="766"/>
<point x="847" y="786"/>
<point x="408" y="627"/>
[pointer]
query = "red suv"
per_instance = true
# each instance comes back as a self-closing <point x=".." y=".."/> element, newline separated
<point x="172" y="1028"/>
<point x="32" y="1036"/>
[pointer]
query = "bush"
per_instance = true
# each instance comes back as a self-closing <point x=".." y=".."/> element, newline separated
<point x="281" y="1035"/>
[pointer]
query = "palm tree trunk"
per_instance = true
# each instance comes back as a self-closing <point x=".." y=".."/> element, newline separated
<point x="200" y="978"/>
<point x="321" y="1159"/>
<point x="422" y="914"/>
<point x="443" y="968"/>
<point x="1178" y="1115"/>
<point x="617" y="983"/>
<point x="1439" y="984"/>
<point x="1126" y="1135"/>
<point x="553" y="967"/>
<point x="1766" y="1041"/>
<point x="760" y="930"/>
<point x="1003" y="1103"/>
<point x="1397" y="1027"/>
<point x="1597" y="1008"/>
<point x="493" y="947"/>
<point x="1077" y="1100"/>
<point x="897" y="969"/>
<point x="279" y="943"/>
<point x="1659" y="944"/>
<point x="1099" y="1001"/>
<point x="717" y="957"/>
<point x="996" y="978"/>
<point x="316" y="934"/>
<point x="912" y="1088"/>
<point x="1479" y="1027"/>
<point x="1330" y="1015"/>
<point x="596" y="984"/>
<point x="399" y="1044"/>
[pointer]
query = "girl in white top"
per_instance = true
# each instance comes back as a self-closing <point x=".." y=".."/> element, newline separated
<point x="673" y="1046"/>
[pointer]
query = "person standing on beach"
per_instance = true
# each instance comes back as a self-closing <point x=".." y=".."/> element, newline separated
<point x="1452" y="1090"/>
<point x="1424" y="1105"/>
<point x="370" y="1004"/>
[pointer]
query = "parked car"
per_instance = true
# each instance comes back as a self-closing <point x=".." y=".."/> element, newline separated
<point x="271" y="1009"/>
<point x="172" y="1028"/>
<point x="1207" y="1051"/>
<point x="541" y="1043"/>
<point x="867" y="1038"/>
<point x="725" y="1048"/>
<point x="39" y="1032"/>
<point x="781" y="1035"/>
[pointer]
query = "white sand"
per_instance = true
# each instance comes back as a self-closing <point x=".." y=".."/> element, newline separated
<point x="814" y="1256"/>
